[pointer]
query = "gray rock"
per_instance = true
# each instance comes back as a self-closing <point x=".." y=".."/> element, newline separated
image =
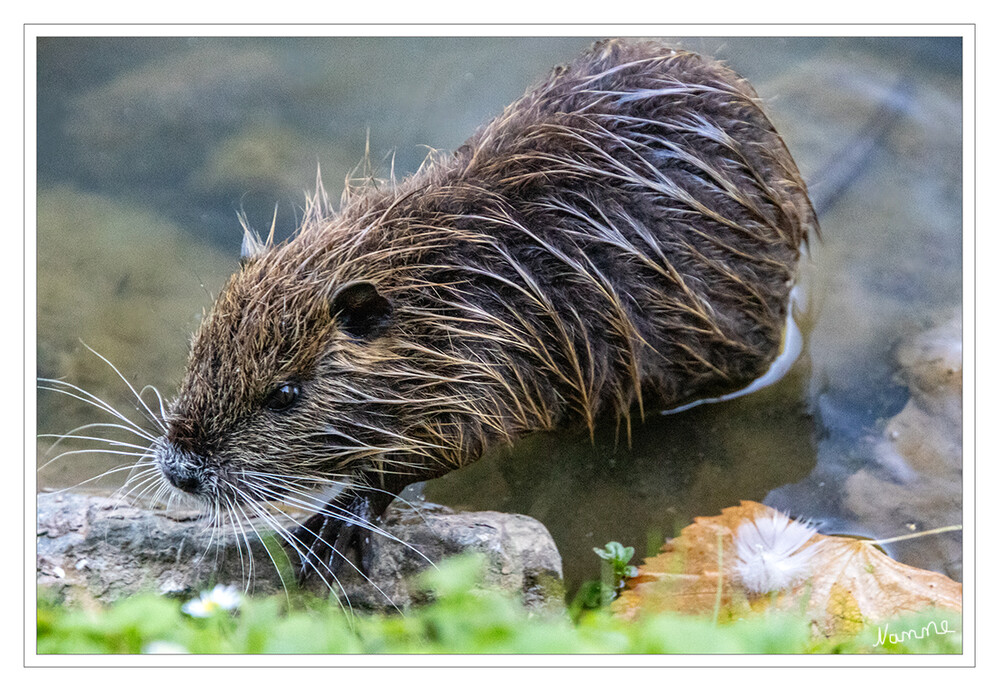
<point x="97" y="548"/>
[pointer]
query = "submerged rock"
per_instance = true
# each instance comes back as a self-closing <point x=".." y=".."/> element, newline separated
<point x="97" y="548"/>
<point x="917" y="484"/>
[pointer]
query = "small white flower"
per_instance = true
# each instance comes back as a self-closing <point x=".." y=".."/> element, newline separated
<point x="221" y="597"/>
<point x="770" y="555"/>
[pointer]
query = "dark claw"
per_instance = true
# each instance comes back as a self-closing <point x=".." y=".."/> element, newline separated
<point x="328" y="543"/>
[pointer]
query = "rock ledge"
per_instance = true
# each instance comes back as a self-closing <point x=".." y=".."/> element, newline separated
<point x="97" y="548"/>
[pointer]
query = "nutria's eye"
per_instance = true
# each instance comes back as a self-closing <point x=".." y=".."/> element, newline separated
<point x="282" y="397"/>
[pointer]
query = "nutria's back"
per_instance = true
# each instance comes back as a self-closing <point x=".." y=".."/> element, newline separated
<point x="626" y="234"/>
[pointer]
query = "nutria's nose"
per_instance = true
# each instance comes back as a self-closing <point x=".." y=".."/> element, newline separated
<point x="182" y="479"/>
<point x="178" y="469"/>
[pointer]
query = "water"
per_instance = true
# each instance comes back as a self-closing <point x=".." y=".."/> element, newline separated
<point x="148" y="147"/>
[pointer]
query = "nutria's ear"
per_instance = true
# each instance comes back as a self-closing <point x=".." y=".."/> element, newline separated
<point x="251" y="247"/>
<point x="360" y="310"/>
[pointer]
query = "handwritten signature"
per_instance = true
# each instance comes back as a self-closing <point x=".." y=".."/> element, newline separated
<point x="887" y="636"/>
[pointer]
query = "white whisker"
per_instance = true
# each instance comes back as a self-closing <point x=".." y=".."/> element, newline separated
<point x="77" y="437"/>
<point x="152" y="415"/>
<point x="95" y="402"/>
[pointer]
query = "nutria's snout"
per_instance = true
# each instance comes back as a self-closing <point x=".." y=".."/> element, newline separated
<point x="182" y="470"/>
<point x="623" y="238"/>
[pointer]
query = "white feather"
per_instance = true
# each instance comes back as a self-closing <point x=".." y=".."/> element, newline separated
<point x="771" y="553"/>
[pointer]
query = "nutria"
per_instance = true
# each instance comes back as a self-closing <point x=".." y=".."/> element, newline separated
<point x="626" y="233"/>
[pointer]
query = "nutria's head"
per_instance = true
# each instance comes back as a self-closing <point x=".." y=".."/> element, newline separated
<point x="292" y="385"/>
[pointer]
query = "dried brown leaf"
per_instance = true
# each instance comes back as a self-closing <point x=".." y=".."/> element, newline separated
<point x="850" y="582"/>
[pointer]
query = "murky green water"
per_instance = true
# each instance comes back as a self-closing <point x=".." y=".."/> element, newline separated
<point x="147" y="149"/>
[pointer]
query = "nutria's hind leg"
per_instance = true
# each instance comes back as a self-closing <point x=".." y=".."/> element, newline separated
<point x="326" y="543"/>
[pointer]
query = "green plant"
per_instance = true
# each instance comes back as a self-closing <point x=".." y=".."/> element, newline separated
<point x="617" y="557"/>
<point x="461" y="617"/>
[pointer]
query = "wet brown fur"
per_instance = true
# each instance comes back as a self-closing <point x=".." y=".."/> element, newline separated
<point x="624" y="236"/>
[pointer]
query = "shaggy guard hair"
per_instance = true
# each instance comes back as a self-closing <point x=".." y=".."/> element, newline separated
<point x="626" y="233"/>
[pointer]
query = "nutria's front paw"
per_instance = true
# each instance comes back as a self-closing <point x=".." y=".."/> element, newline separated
<point x="338" y="535"/>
